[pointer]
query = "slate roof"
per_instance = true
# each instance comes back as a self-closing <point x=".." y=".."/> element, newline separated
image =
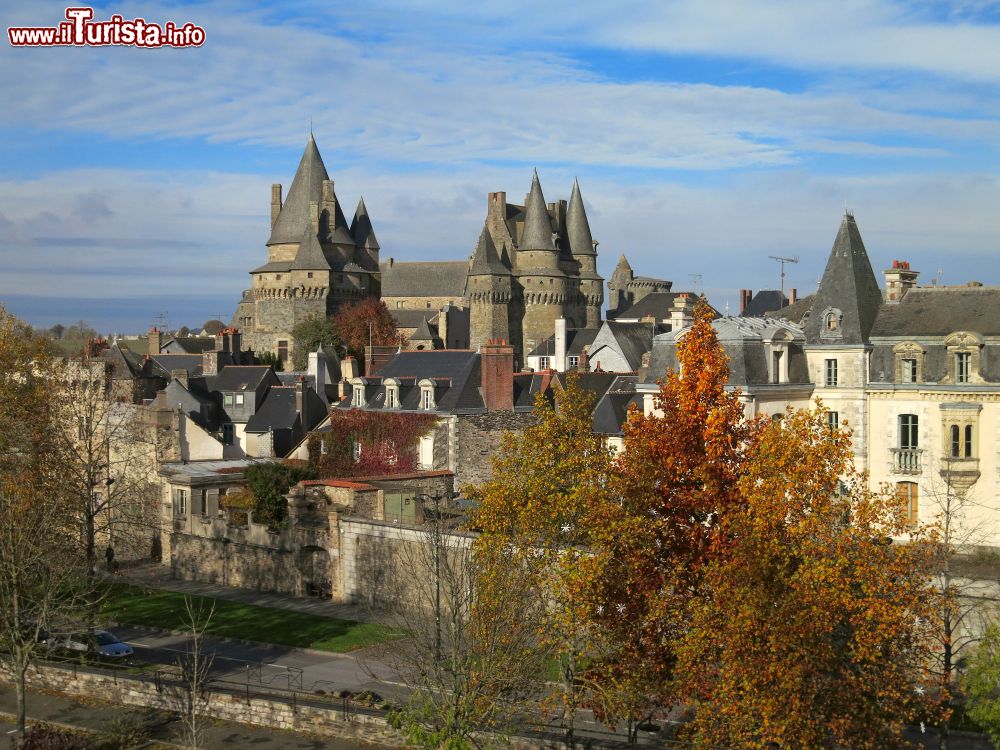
<point x="166" y="363"/>
<point x="581" y="242"/>
<point x="309" y="256"/>
<point x="233" y="378"/>
<point x="611" y="411"/>
<point x="193" y="401"/>
<point x="424" y="279"/>
<point x="765" y="301"/>
<point x="655" y="304"/>
<point x="793" y="312"/>
<point x="423" y="333"/>
<point x="278" y="412"/>
<point x="633" y="340"/>
<point x="576" y="339"/>
<point x="307" y="186"/>
<point x="278" y="266"/>
<point x="485" y="260"/>
<point x="537" y="231"/>
<point x="411" y="318"/>
<point x="848" y="285"/>
<point x="361" y="228"/>
<point x="192" y="344"/>
<point x="939" y="311"/>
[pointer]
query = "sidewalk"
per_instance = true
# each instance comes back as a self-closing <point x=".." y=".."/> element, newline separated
<point x="162" y="727"/>
<point x="156" y="576"/>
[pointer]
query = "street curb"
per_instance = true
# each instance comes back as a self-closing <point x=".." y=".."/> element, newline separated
<point x="240" y="641"/>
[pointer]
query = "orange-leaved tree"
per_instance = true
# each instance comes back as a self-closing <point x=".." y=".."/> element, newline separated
<point x="678" y="475"/>
<point x="808" y="628"/>
<point x="549" y="488"/>
<point x="364" y="322"/>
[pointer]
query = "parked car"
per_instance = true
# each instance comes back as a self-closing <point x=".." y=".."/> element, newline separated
<point x="98" y="642"/>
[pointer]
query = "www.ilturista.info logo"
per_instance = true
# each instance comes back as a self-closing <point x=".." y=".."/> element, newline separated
<point x="80" y="30"/>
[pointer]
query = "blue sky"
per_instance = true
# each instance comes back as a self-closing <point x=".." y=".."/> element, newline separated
<point x="706" y="137"/>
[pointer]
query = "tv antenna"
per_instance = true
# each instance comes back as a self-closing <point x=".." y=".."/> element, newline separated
<point x="695" y="282"/>
<point x="160" y="321"/>
<point x="783" y="260"/>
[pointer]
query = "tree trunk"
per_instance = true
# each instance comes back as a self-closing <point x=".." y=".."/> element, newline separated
<point x="21" y="690"/>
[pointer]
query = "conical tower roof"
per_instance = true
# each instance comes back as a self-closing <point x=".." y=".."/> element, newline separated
<point x="361" y="228"/>
<point x="537" y="232"/>
<point x="581" y="242"/>
<point x="423" y="332"/>
<point x="848" y="299"/>
<point x="310" y="254"/>
<point x="485" y="261"/>
<point x="623" y="264"/>
<point x="307" y="186"/>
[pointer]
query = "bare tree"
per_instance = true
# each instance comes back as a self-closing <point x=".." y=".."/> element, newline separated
<point x="110" y="452"/>
<point x="41" y="575"/>
<point x="195" y="668"/>
<point x="469" y="656"/>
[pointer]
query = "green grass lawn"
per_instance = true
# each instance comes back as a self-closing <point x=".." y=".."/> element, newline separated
<point x="131" y="605"/>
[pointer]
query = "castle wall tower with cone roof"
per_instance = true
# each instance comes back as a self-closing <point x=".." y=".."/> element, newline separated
<point x="488" y="292"/>
<point x="316" y="262"/>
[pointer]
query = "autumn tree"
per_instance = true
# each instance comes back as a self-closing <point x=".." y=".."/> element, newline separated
<point x="547" y="494"/>
<point x="366" y="322"/>
<point x="309" y="334"/>
<point x="981" y="681"/>
<point x="42" y="570"/>
<point x="810" y="625"/>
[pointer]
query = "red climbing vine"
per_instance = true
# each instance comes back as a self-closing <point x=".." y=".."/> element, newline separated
<point x="365" y="443"/>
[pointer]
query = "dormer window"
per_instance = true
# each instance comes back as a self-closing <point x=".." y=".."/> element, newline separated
<point x="359" y="395"/>
<point x="963" y="355"/>
<point x="963" y="367"/>
<point x="427" y="394"/>
<point x="392" y="394"/>
<point x="909" y="362"/>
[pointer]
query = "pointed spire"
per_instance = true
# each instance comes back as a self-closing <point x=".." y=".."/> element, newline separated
<point x="307" y="186"/>
<point x="361" y="228"/>
<point x="309" y="256"/>
<point x="537" y="232"/>
<point x="485" y="260"/>
<point x="847" y="302"/>
<point x="581" y="242"/>
<point x="623" y="264"/>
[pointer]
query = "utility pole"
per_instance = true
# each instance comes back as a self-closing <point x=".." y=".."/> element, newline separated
<point x="783" y="260"/>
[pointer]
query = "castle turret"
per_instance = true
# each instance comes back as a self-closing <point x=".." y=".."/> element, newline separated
<point x="618" y="286"/>
<point x="489" y="293"/>
<point x="364" y="238"/>
<point x="584" y="252"/>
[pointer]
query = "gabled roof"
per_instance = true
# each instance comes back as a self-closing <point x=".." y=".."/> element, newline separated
<point x="485" y="260"/>
<point x="277" y="412"/>
<point x="438" y="279"/>
<point x="939" y="311"/>
<point x="848" y="286"/>
<point x="631" y="340"/>
<point x="581" y="242"/>
<point x="537" y="231"/>
<point x="576" y="339"/>
<point x="655" y="304"/>
<point x="167" y="363"/>
<point x="765" y="301"/>
<point x="443" y="363"/>
<point x="361" y="228"/>
<point x="232" y="378"/>
<point x="277" y="266"/>
<point x="307" y="186"/>
<point x="191" y="344"/>
<point x="411" y="318"/>
<point x="793" y="312"/>
<point x="193" y="401"/>
<point x="611" y="410"/>
<point x="423" y="332"/>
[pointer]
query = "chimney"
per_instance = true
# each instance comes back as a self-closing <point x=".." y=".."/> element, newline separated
<point x="793" y="296"/>
<point x="496" y="361"/>
<point x="898" y="281"/>
<point x="559" y="360"/>
<point x="302" y="402"/>
<point x="210" y="362"/>
<point x="314" y="216"/>
<point x="275" y="202"/>
<point x="349" y="368"/>
<point x="682" y="312"/>
<point x="443" y="324"/>
<point x="644" y="367"/>
<point x="181" y="376"/>
<point x="745" y="296"/>
<point x="497" y="202"/>
<point x="584" y="365"/>
<point x="155" y="340"/>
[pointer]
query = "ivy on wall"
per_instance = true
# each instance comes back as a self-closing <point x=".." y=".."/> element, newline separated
<point x="368" y="443"/>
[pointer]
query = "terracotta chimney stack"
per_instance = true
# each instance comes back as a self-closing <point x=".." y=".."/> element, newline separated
<point x="497" y="366"/>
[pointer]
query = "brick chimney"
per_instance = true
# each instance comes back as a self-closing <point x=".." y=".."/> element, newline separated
<point x="745" y="296"/>
<point x="155" y="340"/>
<point x="275" y="202"/>
<point x="793" y="296"/>
<point x="181" y="376"/>
<point x="583" y="364"/>
<point x="497" y="366"/>
<point x="899" y="280"/>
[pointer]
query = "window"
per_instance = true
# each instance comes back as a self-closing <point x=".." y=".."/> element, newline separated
<point x="204" y="502"/>
<point x="830" y="372"/>
<point x="956" y="441"/>
<point x="909" y="356"/>
<point x="908" y="431"/>
<point x="359" y="395"/>
<point x="277" y="277"/>
<point x="543" y="363"/>
<point x="776" y="367"/>
<point x="239" y="399"/>
<point x="227" y="434"/>
<point x="968" y="441"/>
<point x="426" y="398"/>
<point x="227" y="399"/>
<point x="908" y="370"/>
<point x="180" y="502"/>
<point x="283" y="350"/>
<point x="906" y="496"/>
<point x="356" y="450"/>
<point x="323" y="447"/>
<point x="309" y="275"/>
<point x="963" y="367"/>
<point x="391" y="397"/>
<point x="426" y="455"/>
<point x="833" y="421"/>
<point x="573" y="361"/>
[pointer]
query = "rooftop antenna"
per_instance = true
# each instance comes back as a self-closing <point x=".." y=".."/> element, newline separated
<point x="160" y="321"/>
<point x="695" y="282"/>
<point x="783" y="260"/>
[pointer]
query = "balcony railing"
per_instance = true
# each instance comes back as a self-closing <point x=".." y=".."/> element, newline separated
<point x="906" y="460"/>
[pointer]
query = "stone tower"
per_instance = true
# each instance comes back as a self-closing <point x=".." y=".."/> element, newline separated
<point x="315" y="261"/>
<point x="618" y="286"/>
<point x="488" y="291"/>
<point x="583" y="250"/>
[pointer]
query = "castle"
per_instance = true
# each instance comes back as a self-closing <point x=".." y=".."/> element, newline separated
<point x="533" y="264"/>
